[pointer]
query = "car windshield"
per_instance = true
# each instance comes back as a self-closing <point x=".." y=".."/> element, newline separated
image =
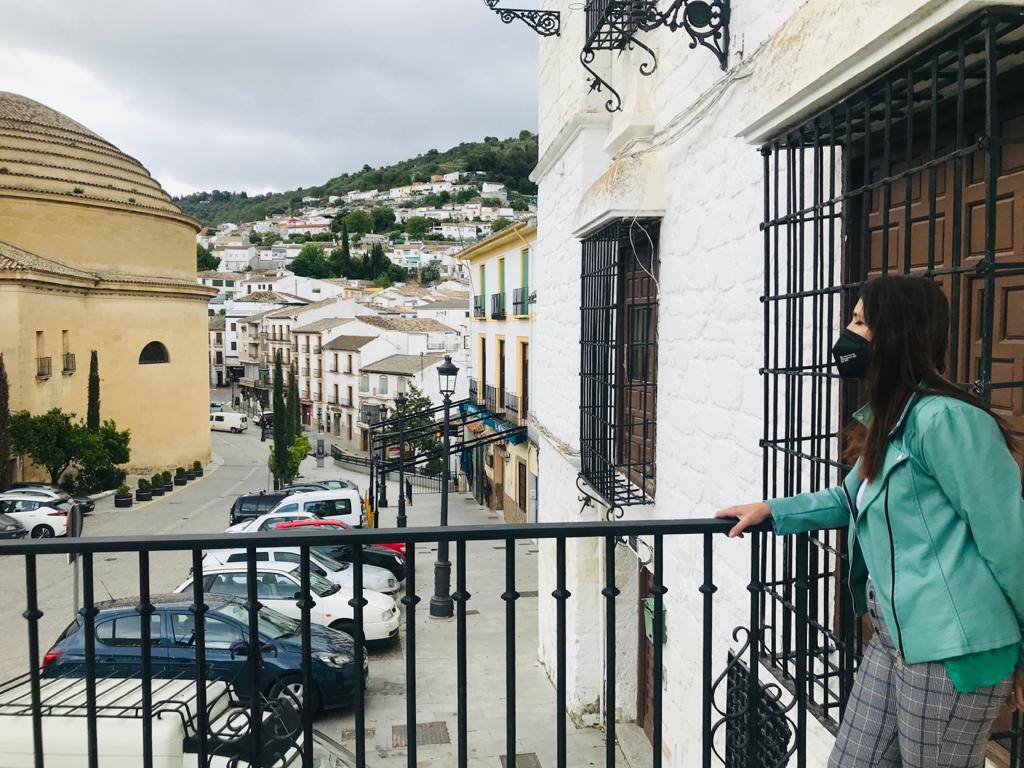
<point x="272" y="623"/>
<point x="328" y="562"/>
<point x="321" y="586"/>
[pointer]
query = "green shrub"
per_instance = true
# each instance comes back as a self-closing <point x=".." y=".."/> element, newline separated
<point x="123" y="490"/>
<point x="144" y="484"/>
<point x="166" y="476"/>
<point x="196" y="466"/>
<point x="156" y="480"/>
<point x="179" y="472"/>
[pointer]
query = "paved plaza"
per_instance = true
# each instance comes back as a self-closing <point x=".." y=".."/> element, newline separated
<point x="202" y="507"/>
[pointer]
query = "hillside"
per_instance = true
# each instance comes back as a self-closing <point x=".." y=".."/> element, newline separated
<point x="508" y="161"/>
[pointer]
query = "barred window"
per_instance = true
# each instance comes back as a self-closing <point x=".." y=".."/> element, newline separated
<point x="618" y="367"/>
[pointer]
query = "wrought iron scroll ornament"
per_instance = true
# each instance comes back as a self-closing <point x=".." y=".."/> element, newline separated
<point x="613" y="24"/>
<point x="544" y="23"/>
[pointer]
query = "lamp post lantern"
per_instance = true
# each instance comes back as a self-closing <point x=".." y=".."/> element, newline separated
<point x="441" y="604"/>
<point x="400" y="402"/>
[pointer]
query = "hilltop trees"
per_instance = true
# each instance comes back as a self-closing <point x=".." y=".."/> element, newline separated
<point x="310" y="262"/>
<point x="205" y="261"/>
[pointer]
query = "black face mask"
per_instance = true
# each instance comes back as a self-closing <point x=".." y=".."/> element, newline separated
<point x="852" y="353"/>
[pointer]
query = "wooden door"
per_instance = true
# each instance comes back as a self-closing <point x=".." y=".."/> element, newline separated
<point x="637" y="362"/>
<point x="482" y="392"/>
<point x="498" y="490"/>
<point x="524" y="381"/>
<point x="501" y="375"/>
<point x="645" y="661"/>
<point x="521" y="486"/>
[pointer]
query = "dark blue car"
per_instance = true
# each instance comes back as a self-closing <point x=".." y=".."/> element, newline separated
<point x="119" y="649"/>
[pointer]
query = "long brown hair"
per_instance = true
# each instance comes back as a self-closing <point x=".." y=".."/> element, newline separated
<point x="909" y="322"/>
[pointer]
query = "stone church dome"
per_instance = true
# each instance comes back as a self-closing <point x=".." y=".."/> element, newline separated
<point x="46" y="153"/>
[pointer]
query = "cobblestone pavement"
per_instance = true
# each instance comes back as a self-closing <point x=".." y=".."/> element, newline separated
<point x="202" y="507"/>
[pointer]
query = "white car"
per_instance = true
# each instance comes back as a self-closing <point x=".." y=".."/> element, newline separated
<point x="268" y="521"/>
<point x="280" y="586"/>
<point x="36" y="514"/>
<point x="321" y="564"/>
<point x="343" y="504"/>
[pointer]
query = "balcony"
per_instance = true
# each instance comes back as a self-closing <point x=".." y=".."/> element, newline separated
<point x="497" y="306"/>
<point x="736" y="717"/>
<point x="478" y="307"/>
<point x="512" y="407"/>
<point x="332" y="399"/>
<point x="474" y="387"/>
<point x="317" y="373"/>
<point x="371" y="414"/>
<point x="521" y="302"/>
<point x="494" y="400"/>
<point x="305" y="372"/>
<point x="43" y="367"/>
<point x="68" y="366"/>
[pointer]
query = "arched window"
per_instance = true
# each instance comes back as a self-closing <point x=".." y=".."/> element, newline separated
<point x="154" y="352"/>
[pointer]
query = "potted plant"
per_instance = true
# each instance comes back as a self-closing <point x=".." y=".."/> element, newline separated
<point x="156" y="484"/>
<point x="123" y="496"/>
<point x="197" y="467"/>
<point x="165" y="476"/>
<point x="144" y="491"/>
<point x="190" y="474"/>
<point x="180" y="478"/>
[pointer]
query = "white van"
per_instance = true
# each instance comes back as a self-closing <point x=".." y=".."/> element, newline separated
<point x="228" y="422"/>
<point x="344" y="505"/>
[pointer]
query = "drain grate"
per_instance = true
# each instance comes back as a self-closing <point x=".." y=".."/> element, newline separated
<point x="528" y="593"/>
<point x="426" y="733"/>
<point x="527" y="760"/>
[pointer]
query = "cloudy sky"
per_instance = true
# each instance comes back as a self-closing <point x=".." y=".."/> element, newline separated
<point x="266" y="94"/>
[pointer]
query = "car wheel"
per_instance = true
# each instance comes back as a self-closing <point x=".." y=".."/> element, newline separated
<point x="42" y="532"/>
<point x="349" y="628"/>
<point x="290" y="689"/>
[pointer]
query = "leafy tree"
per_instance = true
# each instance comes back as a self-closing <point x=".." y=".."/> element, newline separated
<point x="418" y="226"/>
<point x="383" y="218"/>
<point x="255" y="239"/>
<point x="417" y="420"/>
<point x="491" y="202"/>
<point x="205" y="261"/>
<point x="310" y="262"/>
<point x="377" y="262"/>
<point x="429" y="275"/>
<point x="359" y="222"/>
<point x="499" y="224"/>
<point x="465" y="195"/>
<point x="383" y="280"/>
<point x="54" y="441"/>
<point x="5" y="426"/>
<point x="279" y="452"/>
<point x="92" y="414"/>
<point x="518" y="202"/>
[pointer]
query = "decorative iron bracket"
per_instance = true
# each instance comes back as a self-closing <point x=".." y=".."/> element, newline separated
<point x="544" y="23"/>
<point x="612" y="26"/>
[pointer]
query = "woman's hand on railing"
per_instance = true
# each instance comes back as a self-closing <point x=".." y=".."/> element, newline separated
<point x="747" y="515"/>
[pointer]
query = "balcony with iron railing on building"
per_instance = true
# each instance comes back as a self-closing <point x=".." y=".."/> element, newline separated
<point x="68" y="363"/>
<point x="372" y="413"/>
<point x="474" y="390"/>
<point x="479" y="308"/>
<point x="521" y="301"/>
<point x="515" y="408"/>
<point x="494" y="400"/>
<point x="498" y="306"/>
<point x="43" y="367"/>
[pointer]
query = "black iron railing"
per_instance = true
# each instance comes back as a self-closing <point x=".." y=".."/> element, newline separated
<point x="371" y="414"/>
<point x="521" y="301"/>
<point x="43" y="367"/>
<point x="752" y="722"/>
<point x="497" y="306"/>
<point x="512" y="404"/>
<point x="474" y="387"/>
<point x="478" y="307"/>
<point x="69" y="362"/>
<point x="493" y="400"/>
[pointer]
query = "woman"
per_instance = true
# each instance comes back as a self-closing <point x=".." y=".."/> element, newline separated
<point x="936" y="521"/>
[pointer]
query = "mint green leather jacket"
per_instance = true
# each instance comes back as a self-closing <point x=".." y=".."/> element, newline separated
<point x="940" y="530"/>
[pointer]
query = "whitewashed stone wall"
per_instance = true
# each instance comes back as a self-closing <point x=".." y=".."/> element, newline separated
<point x="698" y="128"/>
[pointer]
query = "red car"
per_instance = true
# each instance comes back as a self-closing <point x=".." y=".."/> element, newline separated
<point x="395" y="546"/>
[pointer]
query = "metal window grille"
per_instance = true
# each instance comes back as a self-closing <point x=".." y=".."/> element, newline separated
<point x="43" y="367"/>
<point x="521" y="301"/>
<point x="914" y="173"/>
<point x="498" y="306"/>
<point x="618" y="367"/>
<point x="478" y="306"/>
<point x="69" y="362"/>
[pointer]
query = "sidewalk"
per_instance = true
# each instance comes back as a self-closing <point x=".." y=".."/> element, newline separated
<point x="435" y="658"/>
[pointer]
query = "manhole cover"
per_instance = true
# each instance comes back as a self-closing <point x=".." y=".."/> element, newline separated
<point x="527" y="760"/>
<point x="426" y="733"/>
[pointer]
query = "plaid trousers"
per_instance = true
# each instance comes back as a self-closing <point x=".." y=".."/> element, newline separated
<point x="910" y="715"/>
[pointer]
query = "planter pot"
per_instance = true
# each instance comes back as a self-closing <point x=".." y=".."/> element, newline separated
<point x="191" y="475"/>
<point x="199" y="472"/>
<point x="122" y="501"/>
<point x="157" y="490"/>
<point x="141" y="495"/>
<point x="180" y="479"/>
<point x="168" y="487"/>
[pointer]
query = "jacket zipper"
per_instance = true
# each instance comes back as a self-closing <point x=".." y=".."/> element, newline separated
<point x="892" y="572"/>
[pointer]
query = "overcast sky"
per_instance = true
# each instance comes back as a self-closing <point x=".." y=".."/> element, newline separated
<point x="269" y="95"/>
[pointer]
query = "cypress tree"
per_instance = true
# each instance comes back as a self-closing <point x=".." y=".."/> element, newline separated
<point x="282" y="444"/>
<point x="296" y="408"/>
<point x="92" y="417"/>
<point x="5" y="424"/>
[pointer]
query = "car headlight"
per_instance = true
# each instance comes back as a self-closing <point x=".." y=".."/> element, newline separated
<point x="337" y="660"/>
<point x="387" y="614"/>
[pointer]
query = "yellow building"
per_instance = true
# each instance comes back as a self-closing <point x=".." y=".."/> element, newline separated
<point x="95" y="256"/>
<point x="503" y="474"/>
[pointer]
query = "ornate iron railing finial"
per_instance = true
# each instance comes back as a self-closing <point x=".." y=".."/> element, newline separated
<point x="544" y="23"/>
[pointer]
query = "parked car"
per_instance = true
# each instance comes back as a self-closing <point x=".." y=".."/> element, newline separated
<point x="252" y="505"/>
<point x="323" y="565"/>
<point x="216" y="405"/>
<point x="279" y="587"/>
<point x="343" y="504"/>
<point x="229" y="422"/>
<point x="119" y="648"/>
<point x="85" y="504"/>
<point x="395" y="546"/>
<point x="264" y="419"/>
<point x="340" y="550"/>
<point x="42" y="518"/>
<point x="10" y="528"/>
<point x="333" y="485"/>
<point x="322" y="485"/>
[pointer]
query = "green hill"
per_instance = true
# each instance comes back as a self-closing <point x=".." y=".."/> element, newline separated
<point x="508" y="161"/>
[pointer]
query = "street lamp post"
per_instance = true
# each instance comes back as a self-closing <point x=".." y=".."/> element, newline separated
<point x="382" y="476"/>
<point x="441" y="605"/>
<point x="400" y="403"/>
